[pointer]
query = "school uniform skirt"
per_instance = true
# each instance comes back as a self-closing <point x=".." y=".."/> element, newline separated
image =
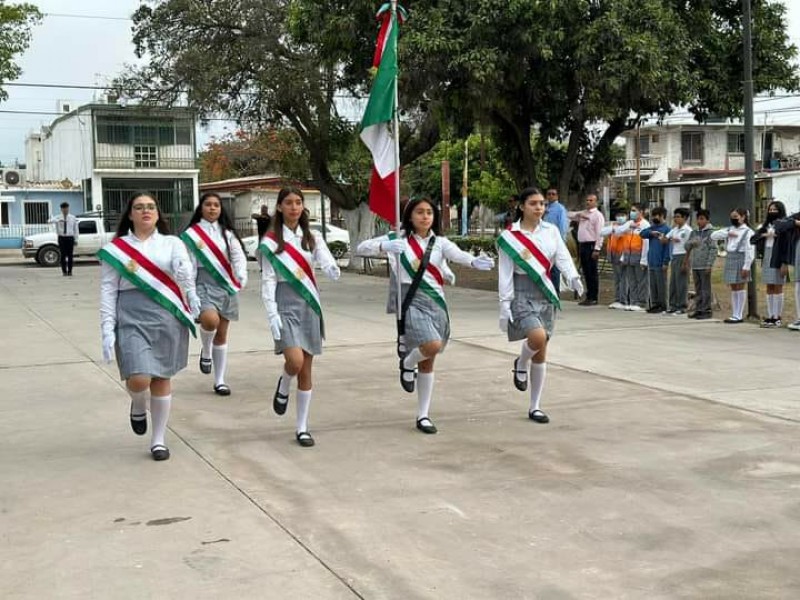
<point x="797" y="261"/>
<point x="302" y="327"/>
<point x="770" y="276"/>
<point x="734" y="263"/>
<point x="425" y="321"/>
<point x="214" y="297"/>
<point x="530" y="310"/>
<point x="150" y="340"/>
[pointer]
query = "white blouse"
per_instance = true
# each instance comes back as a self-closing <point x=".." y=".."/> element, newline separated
<point x="321" y="258"/>
<point x="165" y="251"/>
<point x="548" y="239"/>
<point x="738" y="243"/>
<point x="237" y="256"/>
<point x="442" y="251"/>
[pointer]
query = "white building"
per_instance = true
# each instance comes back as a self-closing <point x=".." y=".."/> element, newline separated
<point x="114" y="151"/>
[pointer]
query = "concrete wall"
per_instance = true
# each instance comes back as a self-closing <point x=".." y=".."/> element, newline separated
<point x="250" y="202"/>
<point x="67" y="151"/>
<point x="787" y="190"/>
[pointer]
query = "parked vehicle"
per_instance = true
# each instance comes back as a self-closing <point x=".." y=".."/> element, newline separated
<point x="43" y="247"/>
<point x="332" y="233"/>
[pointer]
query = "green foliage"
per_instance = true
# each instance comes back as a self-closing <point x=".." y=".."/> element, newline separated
<point x="475" y="245"/>
<point x="16" y="23"/>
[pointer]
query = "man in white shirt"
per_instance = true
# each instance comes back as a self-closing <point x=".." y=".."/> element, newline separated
<point x="67" y="230"/>
<point x="679" y="265"/>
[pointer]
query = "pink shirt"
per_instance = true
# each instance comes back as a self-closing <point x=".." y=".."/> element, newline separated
<point x="589" y="227"/>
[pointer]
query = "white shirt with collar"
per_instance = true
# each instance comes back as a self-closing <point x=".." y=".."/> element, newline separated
<point x="66" y="225"/>
<point x="320" y="257"/>
<point x="442" y="251"/>
<point x="167" y="252"/>
<point x="740" y="242"/>
<point x="547" y="238"/>
<point x="237" y="256"/>
<point x="677" y="237"/>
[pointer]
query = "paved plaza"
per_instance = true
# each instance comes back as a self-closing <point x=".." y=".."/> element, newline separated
<point x="671" y="467"/>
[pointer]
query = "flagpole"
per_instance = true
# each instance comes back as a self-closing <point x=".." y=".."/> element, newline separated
<point x="396" y="127"/>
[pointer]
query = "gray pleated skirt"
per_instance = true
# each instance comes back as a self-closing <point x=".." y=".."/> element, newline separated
<point x="733" y="268"/>
<point x="302" y="327"/>
<point x="426" y="321"/>
<point x="150" y="341"/>
<point x="797" y="261"/>
<point x="214" y="297"/>
<point x="769" y="275"/>
<point x="530" y="310"/>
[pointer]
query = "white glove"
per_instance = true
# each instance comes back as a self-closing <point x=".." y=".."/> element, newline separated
<point x="576" y="285"/>
<point x="194" y="304"/>
<point x="448" y="275"/>
<point x="393" y="246"/>
<point x="332" y="272"/>
<point x="275" y="326"/>
<point x="109" y="339"/>
<point x="505" y="316"/>
<point x="243" y="280"/>
<point x="483" y="263"/>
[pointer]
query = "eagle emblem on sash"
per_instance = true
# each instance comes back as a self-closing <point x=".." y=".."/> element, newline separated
<point x="526" y="254"/>
<point x="299" y="273"/>
<point x="132" y="266"/>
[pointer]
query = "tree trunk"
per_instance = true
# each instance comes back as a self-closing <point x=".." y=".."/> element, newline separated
<point x="513" y="136"/>
<point x="361" y="226"/>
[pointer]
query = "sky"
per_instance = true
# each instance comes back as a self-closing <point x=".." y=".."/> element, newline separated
<point x="87" y="42"/>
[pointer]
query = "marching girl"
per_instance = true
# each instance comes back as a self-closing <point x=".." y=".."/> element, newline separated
<point x="147" y="308"/>
<point x="427" y="322"/>
<point x="528" y="301"/>
<point x="738" y="260"/>
<point x="764" y="239"/>
<point x="291" y="296"/>
<point x="221" y="273"/>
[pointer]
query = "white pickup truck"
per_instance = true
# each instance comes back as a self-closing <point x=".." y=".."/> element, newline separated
<point x="43" y="247"/>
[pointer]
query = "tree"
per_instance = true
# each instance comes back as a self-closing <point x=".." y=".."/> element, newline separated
<point x="584" y="71"/>
<point x="16" y="22"/>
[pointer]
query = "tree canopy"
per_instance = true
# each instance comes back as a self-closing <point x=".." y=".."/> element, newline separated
<point x="16" y="22"/>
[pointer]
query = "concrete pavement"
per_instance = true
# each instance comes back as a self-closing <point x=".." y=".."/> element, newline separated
<point x="669" y="470"/>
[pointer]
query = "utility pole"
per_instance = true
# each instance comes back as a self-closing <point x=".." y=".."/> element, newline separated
<point x="637" y="197"/>
<point x="749" y="162"/>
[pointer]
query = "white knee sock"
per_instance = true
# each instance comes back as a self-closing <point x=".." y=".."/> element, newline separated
<point x="219" y="355"/>
<point x="206" y="338"/>
<point x="412" y="358"/>
<point x="526" y="353"/>
<point x="303" y="405"/>
<point x="735" y="307"/>
<point x="159" y="413"/>
<point x="424" y="394"/>
<point x="742" y="301"/>
<point x="777" y="304"/>
<point x="797" y="299"/>
<point x="286" y="383"/>
<point x="538" y="373"/>
<point x="770" y="306"/>
<point x="139" y="403"/>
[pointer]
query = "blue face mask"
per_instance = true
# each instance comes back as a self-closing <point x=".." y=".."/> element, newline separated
<point x="620" y="219"/>
<point x="634" y="214"/>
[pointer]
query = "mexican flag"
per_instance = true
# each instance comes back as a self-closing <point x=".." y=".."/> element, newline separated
<point x="376" y="126"/>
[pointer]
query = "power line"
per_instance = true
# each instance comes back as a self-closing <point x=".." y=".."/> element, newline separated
<point x="77" y="16"/>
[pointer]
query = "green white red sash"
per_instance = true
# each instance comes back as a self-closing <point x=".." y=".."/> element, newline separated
<point x="432" y="280"/>
<point x="149" y="278"/>
<point x="294" y="268"/>
<point x="213" y="258"/>
<point x="528" y="257"/>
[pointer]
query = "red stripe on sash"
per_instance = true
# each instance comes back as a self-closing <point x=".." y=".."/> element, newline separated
<point x="151" y="268"/>
<point x="216" y="251"/>
<point x="417" y="250"/>
<point x="297" y="257"/>
<point x="533" y="249"/>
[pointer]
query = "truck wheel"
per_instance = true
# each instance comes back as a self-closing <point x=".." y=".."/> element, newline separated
<point x="49" y="256"/>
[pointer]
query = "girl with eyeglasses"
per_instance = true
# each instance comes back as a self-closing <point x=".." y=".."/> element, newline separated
<point x="147" y="308"/>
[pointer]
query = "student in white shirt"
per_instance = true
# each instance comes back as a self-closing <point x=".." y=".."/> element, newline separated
<point x="67" y="231"/>
<point x="764" y="239"/>
<point x="679" y="264"/>
<point x="291" y="297"/>
<point x="738" y="260"/>
<point x="220" y="274"/>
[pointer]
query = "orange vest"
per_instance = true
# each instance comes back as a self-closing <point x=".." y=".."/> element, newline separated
<point x="614" y="244"/>
<point x="631" y="243"/>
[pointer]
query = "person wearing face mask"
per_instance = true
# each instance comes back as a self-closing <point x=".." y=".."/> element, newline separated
<point x="658" y="257"/>
<point x="634" y="259"/>
<point x="613" y="254"/>
<point x="764" y="240"/>
<point x="679" y="264"/>
<point x="738" y="261"/>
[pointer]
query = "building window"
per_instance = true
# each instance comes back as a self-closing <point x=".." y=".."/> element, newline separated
<point x="37" y="213"/>
<point x="735" y="143"/>
<point x="4" y="213"/>
<point x="692" y="147"/>
<point x="145" y="157"/>
<point x="644" y="144"/>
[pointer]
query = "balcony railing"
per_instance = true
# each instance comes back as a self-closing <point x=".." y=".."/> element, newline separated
<point x="647" y="165"/>
<point x="20" y="231"/>
<point x="124" y="156"/>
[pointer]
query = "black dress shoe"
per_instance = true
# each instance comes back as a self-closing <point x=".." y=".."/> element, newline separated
<point x="520" y="384"/>
<point x="701" y="316"/>
<point x="222" y="389"/>
<point x="407" y="385"/>
<point x="139" y="424"/>
<point x="279" y="401"/>
<point x="304" y="439"/>
<point x="732" y="320"/>
<point x="160" y="452"/>
<point x="205" y="365"/>
<point x="538" y="416"/>
<point x="425" y="425"/>
<point x="587" y="303"/>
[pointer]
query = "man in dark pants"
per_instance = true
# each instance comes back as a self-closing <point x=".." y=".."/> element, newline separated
<point x="67" y="230"/>
<point x="590" y="222"/>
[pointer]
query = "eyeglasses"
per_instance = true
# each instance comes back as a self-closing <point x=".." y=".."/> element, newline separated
<point x="144" y="207"/>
